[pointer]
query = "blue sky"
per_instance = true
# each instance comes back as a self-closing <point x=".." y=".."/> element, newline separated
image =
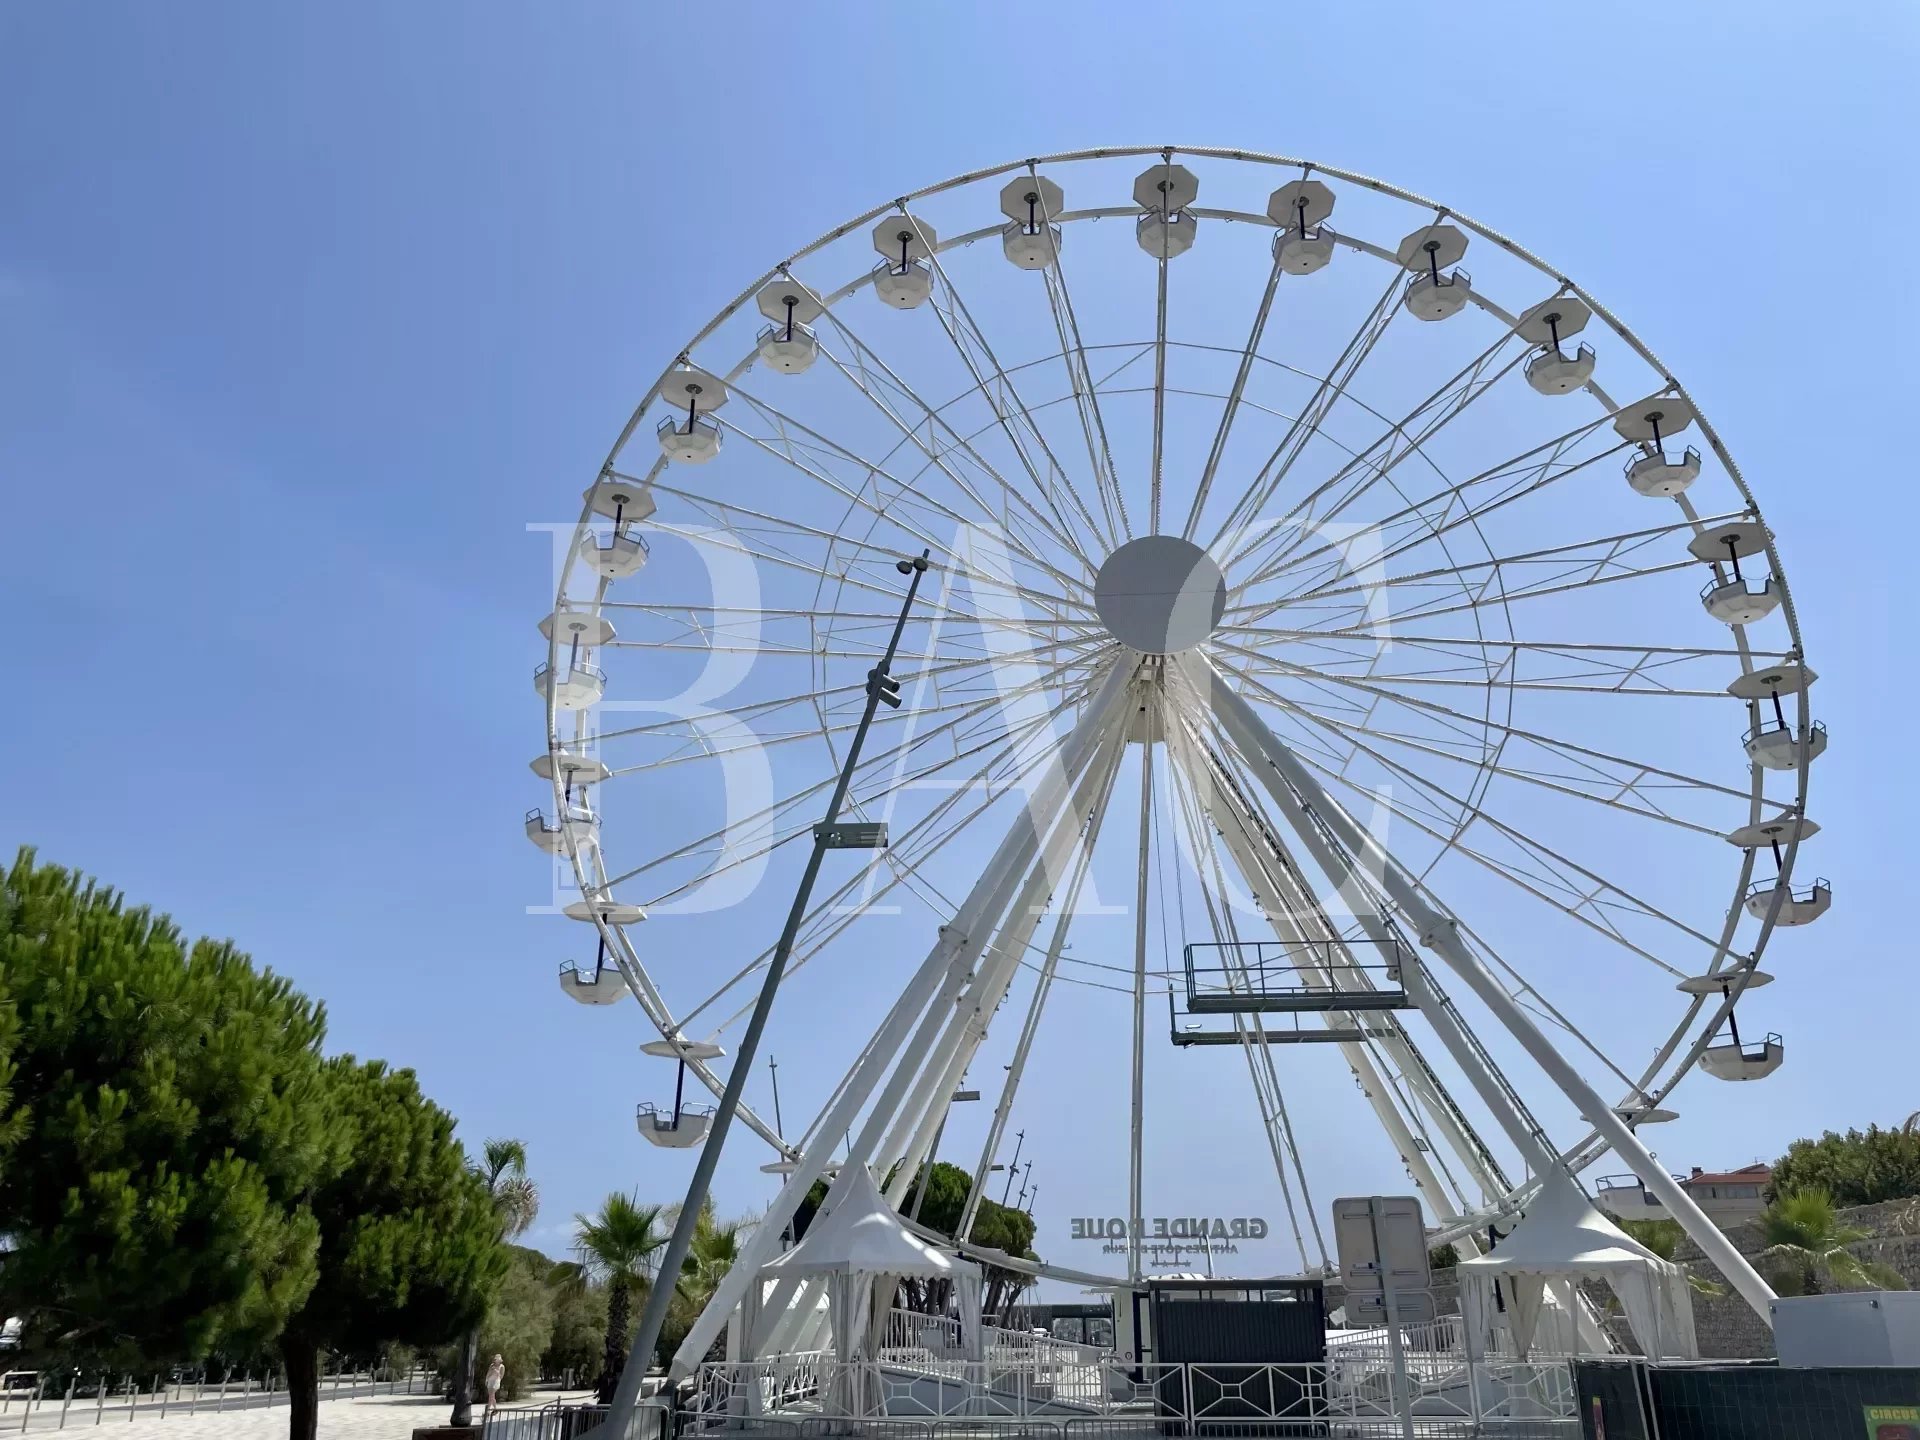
<point x="307" y="313"/>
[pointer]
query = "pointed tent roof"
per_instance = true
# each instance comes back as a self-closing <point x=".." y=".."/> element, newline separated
<point x="1564" y="1239"/>
<point x="863" y="1235"/>
<point x="1563" y="1234"/>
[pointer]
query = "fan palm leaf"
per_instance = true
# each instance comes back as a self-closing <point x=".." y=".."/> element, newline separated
<point x="1807" y="1248"/>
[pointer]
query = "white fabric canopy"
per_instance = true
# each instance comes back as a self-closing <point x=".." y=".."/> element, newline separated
<point x="861" y="1249"/>
<point x="1561" y="1241"/>
<point x="862" y="1233"/>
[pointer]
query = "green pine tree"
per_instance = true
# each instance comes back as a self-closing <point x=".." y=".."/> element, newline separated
<point x="166" y="1120"/>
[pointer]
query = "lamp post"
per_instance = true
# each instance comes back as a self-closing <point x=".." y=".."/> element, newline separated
<point x="882" y="688"/>
<point x="1020" y="1138"/>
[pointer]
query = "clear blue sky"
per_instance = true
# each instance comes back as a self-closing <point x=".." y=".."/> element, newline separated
<point x="306" y="312"/>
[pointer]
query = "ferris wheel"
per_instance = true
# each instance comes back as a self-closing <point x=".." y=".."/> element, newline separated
<point x="1421" y="625"/>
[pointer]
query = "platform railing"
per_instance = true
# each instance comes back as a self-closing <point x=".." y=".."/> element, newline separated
<point x="1292" y="970"/>
<point x="1346" y="1394"/>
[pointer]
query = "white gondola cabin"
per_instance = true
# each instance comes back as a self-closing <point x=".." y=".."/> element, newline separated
<point x="577" y="823"/>
<point x="679" y="1129"/>
<point x="602" y="985"/>
<point x="1736" y="1061"/>
<point x="571" y="687"/>
<point x="1777" y="745"/>
<point x="1799" y="905"/>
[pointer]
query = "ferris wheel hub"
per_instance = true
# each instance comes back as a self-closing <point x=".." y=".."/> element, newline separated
<point x="1160" y="594"/>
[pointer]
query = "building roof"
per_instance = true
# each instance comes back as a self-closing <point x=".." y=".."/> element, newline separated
<point x="1745" y="1175"/>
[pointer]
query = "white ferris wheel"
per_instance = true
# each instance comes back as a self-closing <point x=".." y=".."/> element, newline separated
<point x="1426" y="633"/>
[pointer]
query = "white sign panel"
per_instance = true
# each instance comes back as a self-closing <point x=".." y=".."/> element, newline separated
<point x="1382" y="1244"/>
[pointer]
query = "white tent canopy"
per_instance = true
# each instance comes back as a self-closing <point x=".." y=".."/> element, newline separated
<point x="861" y="1250"/>
<point x="863" y="1233"/>
<point x="1561" y="1241"/>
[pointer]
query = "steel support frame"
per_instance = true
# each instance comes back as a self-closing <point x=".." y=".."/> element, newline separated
<point x="947" y="964"/>
<point x="1261" y="883"/>
<point x="974" y="1009"/>
<point x="1398" y="1048"/>
<point x="1301" y="800"/>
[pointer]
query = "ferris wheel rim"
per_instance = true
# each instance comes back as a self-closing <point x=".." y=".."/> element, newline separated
<point x="1649" y="1085"/>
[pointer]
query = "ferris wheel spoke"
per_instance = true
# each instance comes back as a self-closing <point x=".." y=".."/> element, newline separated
<point x="1159" y="398"/>
<point x="1594" y="677"/>
<point x="1572" y="566"/>
<point x="783" y="822"/>
<point x="1609" y="792"/>
<point x="970" y="343"/>
<point x="1661" y="669"/>
<point x="682" y="624"/>
<point x="736" y="523"/>
<point x="868" y="373"/>
<point x="1581" y="903"/>
<point x="1434" y="516"/>
<point x="1608" y="773"/>
<point x="829" y="918"/>
<point x="767" y="820"/>
<point x="696" y="747"/>
<point x="1378" y="460"/>
<point x="729" y="517"/>
<point x="1307" y="423"/>
<point x="1086" y="399"/>
<point x="1231" y="408"/>
<point x="1580" y="897"/>
<point x="895" y="509"/>
<point x="1086" y="394"/>
<point x="945" y="671"/>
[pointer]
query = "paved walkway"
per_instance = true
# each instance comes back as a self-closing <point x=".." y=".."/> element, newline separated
<point x="376" y="1417"/>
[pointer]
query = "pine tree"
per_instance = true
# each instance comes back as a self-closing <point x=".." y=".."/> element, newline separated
<point x="166" y="1118"/>
<point x="410" y="1246"/>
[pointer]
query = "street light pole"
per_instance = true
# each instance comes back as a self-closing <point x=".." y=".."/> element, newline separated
<point x="881" y="688"/>
<point x="1020" y="1138"/>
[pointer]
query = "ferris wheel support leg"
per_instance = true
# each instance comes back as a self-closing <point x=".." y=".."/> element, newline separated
<point x="943" y="962"/>
<point x="1337" y="872"/>
<point x="999" y="963"/>
<point x="1438" y="932"/>
<point x="1290" y="893"/>
<point x="1378" y="1093"/>
<point x="1043" y="985"/>
<point x="1136" y="1108"/>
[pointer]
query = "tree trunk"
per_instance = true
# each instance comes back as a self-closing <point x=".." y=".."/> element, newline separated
<point x="463" y="1378"/>
<point x="302" y="1364"/>
<point x="619" y="1316"/>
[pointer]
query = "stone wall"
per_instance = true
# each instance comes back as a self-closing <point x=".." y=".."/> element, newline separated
<point x="1729" y="1329"/>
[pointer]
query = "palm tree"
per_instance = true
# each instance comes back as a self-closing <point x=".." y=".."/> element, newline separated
<point x="1663" y="1238"/>
<point x="715" y="1248"/>
<point x="620" y="1247"/>
<point x="713" y="1252"/>
<point x="502" y="1166"/>
<point x="1807" y="1248"/>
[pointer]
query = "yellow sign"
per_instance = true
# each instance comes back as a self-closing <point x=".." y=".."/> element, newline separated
<point x="1892" y="1422"/>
